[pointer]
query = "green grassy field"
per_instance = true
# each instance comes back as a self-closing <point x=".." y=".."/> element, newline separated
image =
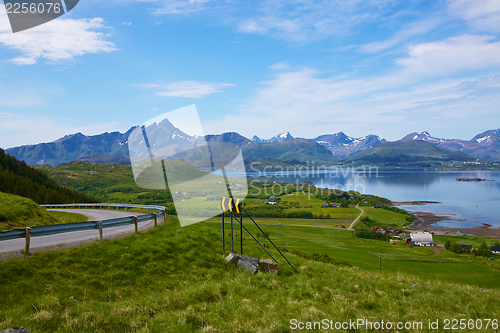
<point x="367" y="254"/>
<point x="172" y="279"/>
<point x="19" y="212"/>
<point x="381" y="217"/>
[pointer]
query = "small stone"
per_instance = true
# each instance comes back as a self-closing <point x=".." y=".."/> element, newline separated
<point x="415" y="285"/>
<point x="248" y="265"/>
<point x="355" y="267"/>
<point x="268" y="266"/>
<point x="15" y="330"/>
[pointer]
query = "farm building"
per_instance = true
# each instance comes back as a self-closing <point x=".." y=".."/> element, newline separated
<point x="422" y="239"/>
<point x="271" y="200"/>
<point x="495" y="249"/>
<point x="467" y="248"/>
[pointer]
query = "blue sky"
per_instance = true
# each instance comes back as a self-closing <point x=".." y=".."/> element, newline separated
<point x="255" y="67"/>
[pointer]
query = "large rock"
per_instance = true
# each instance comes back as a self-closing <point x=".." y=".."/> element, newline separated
<point x="252" y="264"/>
<point x="268" y="266"/>
<point x="15" y="330"/>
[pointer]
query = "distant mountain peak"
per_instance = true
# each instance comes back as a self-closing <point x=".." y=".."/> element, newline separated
<point x="487" y="137"/>
<point x="280" y="137"/>
<point x="342" y="145"/>
<point x="255" y="138"/>
<point x="423" y="136"/>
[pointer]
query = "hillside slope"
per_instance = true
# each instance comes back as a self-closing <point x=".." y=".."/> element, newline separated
<point x="19" y="212"/>
<point x="18" y="178"/>
<point x="300" y="150"/>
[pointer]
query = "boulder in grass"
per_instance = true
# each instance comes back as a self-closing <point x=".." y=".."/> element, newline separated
<point x="268" y="266"/>
<point x="249" y="263"/>
<point x="15" y="330"/>
<point x="253" y="264"/>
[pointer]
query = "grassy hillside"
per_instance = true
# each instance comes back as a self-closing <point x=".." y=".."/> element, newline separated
<point x="19" y="212"/>
<point x="18" y="178"/>
<point x="106" y="182"/>
<point x="291" y="150"/>
<point x="415" y="153"/>
<point x="173" y="279"/>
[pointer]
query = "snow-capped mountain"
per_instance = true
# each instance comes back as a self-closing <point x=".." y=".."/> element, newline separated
<point x="342" y="145"/>
<point x="255" y="138"/>
<point x="485" y="145"/>
<point x="277" y="138"/>
<point x="489" y="137"/>
<point x="280" y="137"/>
<point x="424" y="136"/>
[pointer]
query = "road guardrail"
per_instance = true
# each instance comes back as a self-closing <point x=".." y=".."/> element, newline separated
<point x="45" y="230"/>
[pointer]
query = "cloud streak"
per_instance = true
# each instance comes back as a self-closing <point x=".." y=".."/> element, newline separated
<point x="483" y="15"/>
<point x="188" y="89"/>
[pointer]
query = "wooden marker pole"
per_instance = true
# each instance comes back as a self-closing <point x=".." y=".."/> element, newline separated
<point x="100" y="230"/>
<point x="156" y="219"/>
<point x="27" y="241"/>
<point x="135" y="224"/>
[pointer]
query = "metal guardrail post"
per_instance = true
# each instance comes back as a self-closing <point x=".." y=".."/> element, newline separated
<point x="241" y="232"/>
<point x="27" y="241"/>
<point x="232" y="232"/>
<point x="100" y="230"/>
<point x="135" y="224"/>
<point x="155" y="216"/>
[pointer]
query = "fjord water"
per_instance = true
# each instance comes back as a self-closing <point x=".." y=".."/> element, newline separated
<point x="469" y="204"/>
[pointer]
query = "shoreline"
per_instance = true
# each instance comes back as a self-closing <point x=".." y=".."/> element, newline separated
<point x="425" y="220"/>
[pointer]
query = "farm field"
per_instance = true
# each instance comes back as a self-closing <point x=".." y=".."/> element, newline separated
<point x="367" y="254"/>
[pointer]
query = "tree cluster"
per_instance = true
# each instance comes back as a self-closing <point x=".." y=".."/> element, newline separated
<point x="16" y="177"/>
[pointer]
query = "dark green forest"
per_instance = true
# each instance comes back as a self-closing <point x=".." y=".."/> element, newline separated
<point x="16" y="177"/>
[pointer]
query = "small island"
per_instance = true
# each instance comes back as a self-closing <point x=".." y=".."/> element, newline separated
<point x="466" y="179"/>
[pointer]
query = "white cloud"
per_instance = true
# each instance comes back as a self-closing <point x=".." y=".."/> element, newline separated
<point x="455" y="54"/>
<point x="192" y="89"/>
<point x="308" y="104"/>
<point x="481" y="14"/>
<point x="60" y="39"/>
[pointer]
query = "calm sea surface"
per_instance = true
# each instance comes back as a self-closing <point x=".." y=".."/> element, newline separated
<point x="469" y="203"/>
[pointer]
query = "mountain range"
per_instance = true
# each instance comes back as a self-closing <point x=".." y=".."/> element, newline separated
<point x="328" y="148"/>
<point x="484" y="146"/>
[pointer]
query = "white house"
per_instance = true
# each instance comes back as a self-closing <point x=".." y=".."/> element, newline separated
<point x="422" y="239"/>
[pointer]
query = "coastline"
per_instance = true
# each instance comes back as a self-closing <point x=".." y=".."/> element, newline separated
<point x="425" y="220"/>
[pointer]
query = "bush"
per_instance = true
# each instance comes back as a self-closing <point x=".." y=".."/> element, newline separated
<point x="483" y="251"/>
<point x="372" y="235"/>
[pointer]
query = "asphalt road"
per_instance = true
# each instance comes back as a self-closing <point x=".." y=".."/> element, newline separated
<point x="76" y="237"/>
